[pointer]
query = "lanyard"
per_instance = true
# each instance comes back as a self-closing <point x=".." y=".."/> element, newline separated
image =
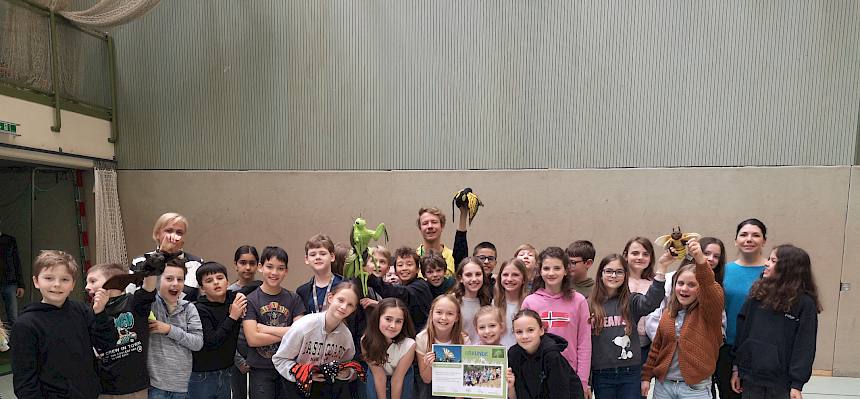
<point x="317" y="306"/>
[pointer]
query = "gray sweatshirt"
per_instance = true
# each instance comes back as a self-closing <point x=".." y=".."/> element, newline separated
<point x="169" y="360"/>
<point x="613" y="348"/>
<point x="308" y="342"/>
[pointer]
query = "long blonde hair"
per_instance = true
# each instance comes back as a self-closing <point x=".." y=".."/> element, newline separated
<point x="499" y="300"/>
<point x="456" y="330"/>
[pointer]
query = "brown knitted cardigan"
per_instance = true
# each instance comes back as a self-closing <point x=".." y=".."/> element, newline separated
<point x="701" y="335"/>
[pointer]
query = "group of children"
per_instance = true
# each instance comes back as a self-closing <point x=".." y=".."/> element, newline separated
<point x="748" y="326"/>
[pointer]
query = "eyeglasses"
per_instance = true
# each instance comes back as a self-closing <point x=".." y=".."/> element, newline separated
<point x="613" y="273"/>
<point x="483" y="258"/>
<point x="575" y="262"/>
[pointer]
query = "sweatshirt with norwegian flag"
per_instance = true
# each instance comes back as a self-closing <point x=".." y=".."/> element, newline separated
<point x="567" y="318"/>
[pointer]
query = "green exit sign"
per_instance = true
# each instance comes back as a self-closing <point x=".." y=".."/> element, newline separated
<point x="9" y="128"/>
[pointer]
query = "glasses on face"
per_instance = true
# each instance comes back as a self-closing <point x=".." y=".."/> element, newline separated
<point x="576" y="262"/>
<point x="483" y="258"/>
<point x="613" y="273"/>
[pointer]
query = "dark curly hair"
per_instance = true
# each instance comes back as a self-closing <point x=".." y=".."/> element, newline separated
<point x="791" y="279"/>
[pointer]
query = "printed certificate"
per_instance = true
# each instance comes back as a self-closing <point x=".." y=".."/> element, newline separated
<point x="470" y="371"/>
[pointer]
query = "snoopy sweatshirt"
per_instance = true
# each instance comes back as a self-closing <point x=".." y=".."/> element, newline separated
<point x="308" y="342"/>
<point x="613" y="347"/>
<point x="567" y="318"/>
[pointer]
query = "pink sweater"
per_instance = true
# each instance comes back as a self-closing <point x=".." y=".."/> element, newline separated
<point x="567" y="318"/>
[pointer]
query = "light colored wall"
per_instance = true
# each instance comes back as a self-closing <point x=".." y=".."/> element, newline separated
<point x="488" y="84"/>
<point x="802" y="205"/>
<point x="79" y="135"/>
<point x="846" y="359"/>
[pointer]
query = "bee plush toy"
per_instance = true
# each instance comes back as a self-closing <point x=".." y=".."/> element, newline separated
<point x="676" y="243"/>
<point x="466" y="198"/>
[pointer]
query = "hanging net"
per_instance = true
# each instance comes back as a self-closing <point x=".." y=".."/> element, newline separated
<point x="103" y="14"/>
<point x="83" y="59"/>
<point x="110" y="238"/>
<point x="25" y="47"/>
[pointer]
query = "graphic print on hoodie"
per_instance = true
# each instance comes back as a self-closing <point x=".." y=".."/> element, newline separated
<point x="122" y="369"/>
<point x="567" y="318"/>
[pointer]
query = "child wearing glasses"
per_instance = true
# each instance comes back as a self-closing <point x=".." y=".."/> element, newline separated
<point x="486" y="253"/>
<point x="615" y="310"/>
<point x="564" y="312"/>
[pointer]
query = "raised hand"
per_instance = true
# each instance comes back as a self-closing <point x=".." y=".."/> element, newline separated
<point x="695" y="249"/>
<point x="100" y="299"/>
<point x="237" y="308"/>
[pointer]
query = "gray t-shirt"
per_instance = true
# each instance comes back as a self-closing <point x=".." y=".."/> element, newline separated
<point x="613" y="348"/>
<point x="674" y="372"/>
<point x="271" y="310"/>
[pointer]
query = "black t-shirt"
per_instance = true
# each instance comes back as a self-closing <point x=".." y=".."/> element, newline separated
<point x="271" y="310"/>
<point x="122" y="370"/>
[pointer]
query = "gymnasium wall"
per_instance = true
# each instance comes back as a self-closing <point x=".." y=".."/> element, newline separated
<point x="394" y="85"/>
<point x="801" y="205"/>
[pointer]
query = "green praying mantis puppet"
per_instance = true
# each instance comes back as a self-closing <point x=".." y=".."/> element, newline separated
<point x="359" y="238"/>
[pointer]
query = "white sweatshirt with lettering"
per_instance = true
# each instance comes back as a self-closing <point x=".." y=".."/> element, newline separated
<point x="308" y="342"/>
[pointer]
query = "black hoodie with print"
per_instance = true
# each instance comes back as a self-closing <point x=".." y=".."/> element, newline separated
<point x="53" y="354"/>
<point x="122" y="369"/>
<point x="545" y="371"/>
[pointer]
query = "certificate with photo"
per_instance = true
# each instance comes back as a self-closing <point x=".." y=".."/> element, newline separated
<point x="470" y="371"/>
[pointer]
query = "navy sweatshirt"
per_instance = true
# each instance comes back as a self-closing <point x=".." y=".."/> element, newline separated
<point x="776" y="349"/>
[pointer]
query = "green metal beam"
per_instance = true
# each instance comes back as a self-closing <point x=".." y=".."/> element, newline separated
<point x="69" y="104"/>
<point x="55" y="74"/>
<point x="857" y="139"/>
<point x="114" y="126"/>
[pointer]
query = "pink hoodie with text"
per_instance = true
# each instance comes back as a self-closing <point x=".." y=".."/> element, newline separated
<point x="567" y="318"/>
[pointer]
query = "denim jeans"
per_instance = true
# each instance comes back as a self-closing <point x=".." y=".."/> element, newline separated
<point x="760" y="392"/>
<point x="209" y="384"/>
<point x="617" y="383"/>
<point x="10" y="302"/>
<point x="405" y="393"/>
<point x="267" y="384"/>
<point x="155" y="393"/>
<point x="680" y="390"/>
<point x="238" y="383"/>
